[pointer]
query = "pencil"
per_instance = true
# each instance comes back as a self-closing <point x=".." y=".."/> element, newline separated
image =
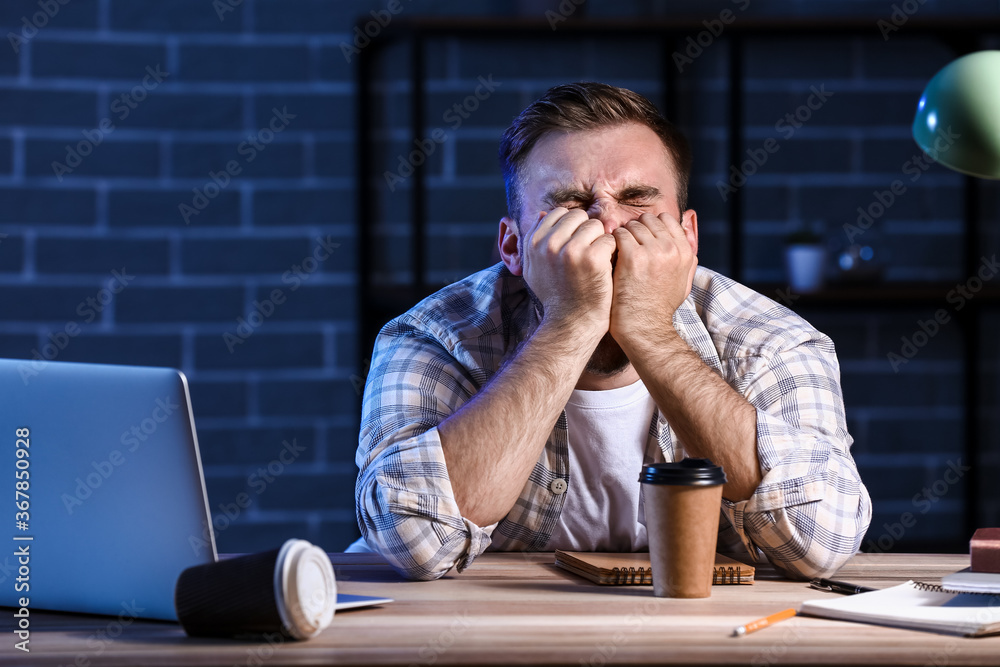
<point x="763" y="622"/>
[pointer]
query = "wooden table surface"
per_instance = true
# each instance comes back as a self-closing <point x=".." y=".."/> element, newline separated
<point x="520" y="609"/>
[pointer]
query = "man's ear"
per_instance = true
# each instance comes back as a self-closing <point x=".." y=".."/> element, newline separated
<point x="510" y="247"/>
<point x="689" y="223"/>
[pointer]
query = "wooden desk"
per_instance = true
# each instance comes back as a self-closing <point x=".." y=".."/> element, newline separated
<point x="519" y="609"/>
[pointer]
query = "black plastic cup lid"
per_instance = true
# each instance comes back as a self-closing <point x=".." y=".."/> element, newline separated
<point x="689" y="472"/>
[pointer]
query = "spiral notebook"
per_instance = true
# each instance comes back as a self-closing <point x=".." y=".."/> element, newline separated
<point x="916" y="606"/>
<point x="967" y="581"/>
<point x="620" y="569"/>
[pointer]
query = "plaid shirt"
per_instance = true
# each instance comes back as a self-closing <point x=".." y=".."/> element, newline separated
<point x="807" y="516"/>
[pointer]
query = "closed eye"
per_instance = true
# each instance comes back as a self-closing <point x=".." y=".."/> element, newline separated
<point x="570" y="198"/>
<point x="638" y="195"/>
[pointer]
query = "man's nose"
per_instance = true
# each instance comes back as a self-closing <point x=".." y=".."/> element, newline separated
<point x="611" y="214"/>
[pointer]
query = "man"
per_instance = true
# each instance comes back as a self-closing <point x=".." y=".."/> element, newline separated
<point x="513" y="410"/>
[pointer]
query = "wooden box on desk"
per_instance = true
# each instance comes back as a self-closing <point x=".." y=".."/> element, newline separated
<point x="985" y="550"/>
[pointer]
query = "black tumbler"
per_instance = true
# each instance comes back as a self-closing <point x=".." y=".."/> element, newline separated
<point x="290" y="590"/>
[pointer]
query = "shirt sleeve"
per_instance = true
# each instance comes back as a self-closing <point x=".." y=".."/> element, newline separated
<point x="811" y="510"/>
<point x="405" y="503"/>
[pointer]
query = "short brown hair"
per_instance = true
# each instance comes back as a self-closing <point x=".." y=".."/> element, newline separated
<point x="586" y="106"/>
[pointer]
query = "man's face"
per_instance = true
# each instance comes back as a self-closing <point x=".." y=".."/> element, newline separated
<point x="615" y="174"/>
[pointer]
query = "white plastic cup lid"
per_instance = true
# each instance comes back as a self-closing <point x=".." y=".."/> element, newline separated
<point x="305" y="588"/>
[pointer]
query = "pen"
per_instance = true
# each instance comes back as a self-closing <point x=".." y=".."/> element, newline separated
<point x="763" y="622"/>
<point x="839" y="586"/>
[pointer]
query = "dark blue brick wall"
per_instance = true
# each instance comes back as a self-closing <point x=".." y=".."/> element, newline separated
<point x="275" y="160"/>
<point x="305" y="397"/>
<point x="28" y="206"/>
<point x="161" y="208"/>
<point x="47" y="107"/>
<point x="6" y="156"/>
<point x="137" y="149"/>
<point x="54" y="305"/>
<point x="179" y="304"/>
<point x="93" y="60"/>
<point x="145" y="349"/>
<point x="179" y="111"/>
<point x="240" y="445"/>
<point x="260" y="350"/>
<point x="95" y="255"/>
<point x="305" y="206"/>
<point x="112" y="157"/>
<point x="330" y="491"/>
<point x="212" y="398"/>
<point x="316" y="111"/>
<point x="71" y="15"/>
<point x="244" y="63"/>
<point x="250" y="255"/>
<point x="180" y="16"/>
<point x="334" y="159"/>
<point x="12" y="255"/>
<point x="311" y="302"/>
<point x="8" y="66"/>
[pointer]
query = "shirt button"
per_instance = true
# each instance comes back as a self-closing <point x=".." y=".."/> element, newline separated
<point x="558" y="486"/>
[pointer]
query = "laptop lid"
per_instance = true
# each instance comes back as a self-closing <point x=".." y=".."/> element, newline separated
<point x="103" y="462"/>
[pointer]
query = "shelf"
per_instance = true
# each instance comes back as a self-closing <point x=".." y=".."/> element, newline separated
<point x="866" y="295"/>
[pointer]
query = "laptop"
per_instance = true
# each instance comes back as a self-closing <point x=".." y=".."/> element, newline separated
<point x="115" y="506"/>
<point x="112" y="489"/>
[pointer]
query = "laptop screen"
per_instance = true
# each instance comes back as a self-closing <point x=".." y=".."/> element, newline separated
<point x="113" y="503"/>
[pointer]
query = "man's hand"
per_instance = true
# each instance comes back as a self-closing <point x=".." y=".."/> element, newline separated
<point x="567" y="263"/>
<point x="492" y="443"/>
<point x="652" y="277"/>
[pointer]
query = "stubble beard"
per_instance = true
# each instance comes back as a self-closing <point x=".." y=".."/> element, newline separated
<point x="608" y="359"/>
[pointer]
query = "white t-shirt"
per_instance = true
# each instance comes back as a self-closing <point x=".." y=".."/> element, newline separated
<point x="608" y="442"/>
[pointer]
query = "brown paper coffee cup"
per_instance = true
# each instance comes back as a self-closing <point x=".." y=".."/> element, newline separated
<point x="682" y="502"/>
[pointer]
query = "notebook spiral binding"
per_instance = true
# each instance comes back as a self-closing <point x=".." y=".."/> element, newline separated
<point x="631" y="575"/>
<point x="937" y="588"/>
<point x="638" y="575"/>
<point x="726" y="575"/>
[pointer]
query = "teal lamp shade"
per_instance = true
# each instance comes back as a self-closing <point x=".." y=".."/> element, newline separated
<point x="958" y="116"/>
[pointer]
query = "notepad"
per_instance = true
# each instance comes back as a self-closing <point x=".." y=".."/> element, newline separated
<point x="618" y="569"/>
<point x="967" y="581"/>
<point x="914" y="606"/>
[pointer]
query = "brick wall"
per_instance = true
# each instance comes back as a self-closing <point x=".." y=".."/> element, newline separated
<point x="206" y="151"/>
<point x="276" y="229"/>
